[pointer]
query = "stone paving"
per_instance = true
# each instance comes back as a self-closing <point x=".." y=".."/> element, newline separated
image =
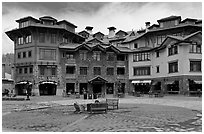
<point x="143" y="114"/>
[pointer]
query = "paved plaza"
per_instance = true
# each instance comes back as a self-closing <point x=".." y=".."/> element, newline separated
<point x="135" y="114"/>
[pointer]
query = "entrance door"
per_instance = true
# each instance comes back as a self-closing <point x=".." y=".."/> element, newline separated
<point x="97" y="88"/>
<point x="110" y="87"/>
<point x="47" y="89"/>
<point x="70" y="87"/>
<point x="82" y="86"/>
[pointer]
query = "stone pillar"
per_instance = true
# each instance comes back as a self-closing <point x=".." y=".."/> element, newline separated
<point x="185" y="87"/>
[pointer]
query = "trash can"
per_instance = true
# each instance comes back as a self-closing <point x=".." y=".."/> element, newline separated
<point x="95" y="96"/>
<point x="85" y="96"/>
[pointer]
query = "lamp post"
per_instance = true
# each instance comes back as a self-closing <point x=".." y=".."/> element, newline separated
<point x="27" y="90"/>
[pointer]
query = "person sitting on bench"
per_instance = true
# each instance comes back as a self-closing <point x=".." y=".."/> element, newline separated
<point x="78" y="108"/>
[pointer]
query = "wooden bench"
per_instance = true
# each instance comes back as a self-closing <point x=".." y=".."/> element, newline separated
<point x="98" y="107"/>
<point x="112" y="103"/>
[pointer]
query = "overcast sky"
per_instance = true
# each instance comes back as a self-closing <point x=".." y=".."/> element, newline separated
<point x="123" y="16"/>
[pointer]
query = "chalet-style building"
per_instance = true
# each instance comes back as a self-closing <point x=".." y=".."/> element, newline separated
<point x="55" y="59"/>
<point x="167" y="55"/>
<point x="52" y="57"/>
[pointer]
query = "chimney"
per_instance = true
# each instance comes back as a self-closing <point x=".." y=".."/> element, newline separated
<point x="111" y="32"/>
<point x="147" y="24"/>
<point x="3" y="70"/>
<point x="89" y="29"/>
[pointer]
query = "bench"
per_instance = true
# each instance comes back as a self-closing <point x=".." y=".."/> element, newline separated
<point x="98" y="107"/>
<point x="113" y="103"/>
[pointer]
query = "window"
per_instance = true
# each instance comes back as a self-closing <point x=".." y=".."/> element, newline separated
<point x="110" y="56"/>
<point x="83" y="70"/>
<point x="47" y="54"/>
<point x="20" y="70"/>
<point x="121" y="57"/>
<point x="157" y="54"/>
<point x="42" y="70"/>
<point x="31" y="70"/>
<point x="24" y="24"/>
<point x="135" y="45"/>
<point x="141" y="57"/>
<point x="53" y="38"/>
<point x="28" y="39"/>
<point x="19" y="55"/>
<point x="70" y="70"/>
<point x="97" y="56"/>
<point x="161" y="25"/>
<point x="157" y="69"/>
<point x="53" y="71"/>
<point x="69" y="56"/>
<point x="160" y="39"/>
<point x="83" y="55"/>
<point x="139" y="71"/>
<point x="64" y="40"/>
<point x="29" y="53"/>
<point x="24" y="54"/>
<point x="110" y="71"/>
<point x="25" y="70"/>
<point x="120" y="70"/>
<point x="97" y="70"/>
<point x="195" y="66"/>
<point x="173" y="50"/>
<point x="173" y="67"/>
<point x="20" y="40"/>
<point x="42" y="37"/>
<point x="195" y="48"/>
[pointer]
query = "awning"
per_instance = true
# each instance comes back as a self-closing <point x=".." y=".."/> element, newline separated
<point x="169" y="82"/>
<point x="141" y="81"/>
<point x="146" y="81"/>
<point x="48" y="82"/>
<point x="24" y="82"/>
<point x="198" y="82"/>
<point x="136" y="81"/>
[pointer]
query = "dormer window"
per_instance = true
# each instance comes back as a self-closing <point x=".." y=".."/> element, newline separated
<point x="162" y="25"/>
<point x="24" y="24"/>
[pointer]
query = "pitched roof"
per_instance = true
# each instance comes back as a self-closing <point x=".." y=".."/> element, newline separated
<point x="169" y="18"/>
<point x="27" y="18"/>
<point x="67" y="22"/>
